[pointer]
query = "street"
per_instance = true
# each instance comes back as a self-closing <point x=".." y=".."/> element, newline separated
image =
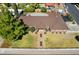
<point x="73" y="10"/>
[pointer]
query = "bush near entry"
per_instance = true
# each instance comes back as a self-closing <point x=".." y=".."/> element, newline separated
<point x="32" y="29"/>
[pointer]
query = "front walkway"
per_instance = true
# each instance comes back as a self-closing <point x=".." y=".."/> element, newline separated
<point x="40" y="42"/>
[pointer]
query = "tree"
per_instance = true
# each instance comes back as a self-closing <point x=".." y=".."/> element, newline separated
<point x="37" y="6"/>
<point x="22" y="5"/>
<point x="11" y="28"/>
<point x="7" y="4"/>
<point x="43" y="9"/>
<point x="15" y="7"/>
<point x="30" y="9"/>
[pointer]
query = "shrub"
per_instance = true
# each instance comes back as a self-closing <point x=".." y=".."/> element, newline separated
<point x="32" y="29"/>
<point x="77" y="37"/>
<point x="30" y="9"/>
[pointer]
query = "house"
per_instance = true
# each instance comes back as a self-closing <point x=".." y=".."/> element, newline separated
<point x="51" y="4"/>
<point x="58" y="7"/>
<point x="42" y="21"/>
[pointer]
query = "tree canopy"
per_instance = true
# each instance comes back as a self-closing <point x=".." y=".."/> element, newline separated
<point x="10" y="27"/>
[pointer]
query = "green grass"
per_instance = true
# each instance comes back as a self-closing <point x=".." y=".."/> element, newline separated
<point x="51" y="41"/>
<point x="61" y="41"/>
<point x="28" y="41"/>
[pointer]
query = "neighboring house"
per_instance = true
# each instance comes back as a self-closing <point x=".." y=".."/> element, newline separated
<point x="42" y="21"/>
<point x="58" y="7"/>
<point x="51" y="6"/>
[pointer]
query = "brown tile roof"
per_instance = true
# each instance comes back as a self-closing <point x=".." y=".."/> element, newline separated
<point x="54" y="21"/>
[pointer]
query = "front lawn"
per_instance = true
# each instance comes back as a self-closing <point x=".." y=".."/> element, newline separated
<point x="61" y="41"/>
<point x="28" y="41"/>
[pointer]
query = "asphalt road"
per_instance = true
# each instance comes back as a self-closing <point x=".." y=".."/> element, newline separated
<point x="73" y="10"/>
